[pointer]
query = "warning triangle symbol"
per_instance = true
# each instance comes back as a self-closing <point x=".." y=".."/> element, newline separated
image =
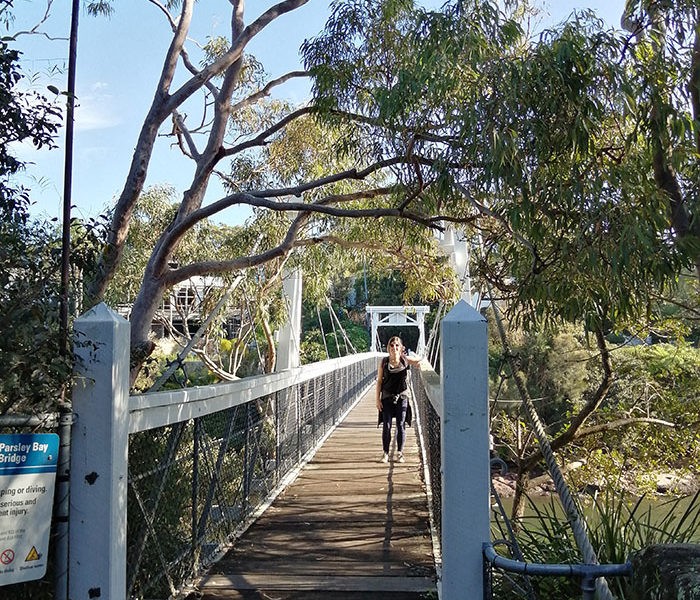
<point x="33" y="555"/>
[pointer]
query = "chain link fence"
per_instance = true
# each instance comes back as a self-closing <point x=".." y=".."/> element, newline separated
<point x="195" y="485"/>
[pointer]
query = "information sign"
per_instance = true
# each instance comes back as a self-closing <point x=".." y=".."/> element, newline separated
<point x="27" y="477"/>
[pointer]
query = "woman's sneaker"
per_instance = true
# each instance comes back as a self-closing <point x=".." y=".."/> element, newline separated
<point x="401" y="458"/>
<point x="385" y="458"/>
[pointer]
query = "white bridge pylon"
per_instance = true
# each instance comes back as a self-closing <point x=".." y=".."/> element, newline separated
<point x="385" y="316"/>
<point x="453" y="242"/>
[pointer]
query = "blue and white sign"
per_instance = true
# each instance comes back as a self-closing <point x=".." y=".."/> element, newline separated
<point x="28" y="465"/>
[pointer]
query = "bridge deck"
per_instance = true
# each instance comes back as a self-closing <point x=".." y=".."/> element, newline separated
<point x="348" y="528"/>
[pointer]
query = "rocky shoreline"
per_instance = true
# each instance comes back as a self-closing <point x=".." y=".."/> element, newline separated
<point x="668" y="483"/>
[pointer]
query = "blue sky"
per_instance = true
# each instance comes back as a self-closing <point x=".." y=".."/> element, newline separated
<point x="119" y="61"/>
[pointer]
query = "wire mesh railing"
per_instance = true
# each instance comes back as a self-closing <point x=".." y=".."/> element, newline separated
<point x="196" y="484"/>
<point x="428" y="403"/>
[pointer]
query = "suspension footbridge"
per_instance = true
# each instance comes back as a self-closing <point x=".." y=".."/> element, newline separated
<point x="271" y="486"/>
<point x="348" y="527"/>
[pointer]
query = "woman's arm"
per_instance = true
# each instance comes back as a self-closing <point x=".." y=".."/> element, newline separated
<point x="413" y="359"/>
<point x="378" y="391"/>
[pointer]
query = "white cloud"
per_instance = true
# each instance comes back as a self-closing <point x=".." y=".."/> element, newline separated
<point x="94" y="109"/>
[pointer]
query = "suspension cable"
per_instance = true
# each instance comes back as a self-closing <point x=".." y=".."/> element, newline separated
<point x="433" y="343"/>
<point x="346" y="340"/>
<point x="335" y="333"/>
<point x="323" y="333"/>
<point x="251" y="317"/>
<point x="573" y="516"/>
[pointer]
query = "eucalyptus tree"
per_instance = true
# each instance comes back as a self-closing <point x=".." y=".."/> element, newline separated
<point x="570" y="159"/>
<point x="535" y="141"/>
<point x="664" y="61"/>
<point x="295" y="206"/>
<point x="422" y="117"/>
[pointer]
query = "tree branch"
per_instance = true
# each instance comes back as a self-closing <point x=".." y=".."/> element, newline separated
<point x="416" y="135"/>
<point x="261" y="138"/>
<point x="121" y="217"/>
<point x="612" y="425"/>
<point x="485" y="210"/>
<point x="252" y="197"/>
<point x="372" y="213"/>
<point x="181" y="132"/>
<point x="183" y="52"/>
<point x="234" y="53"/>
<point x="35" y="30"/>
<point x="265" y="91"/>
<point x="343" y="243"/>
<point x="243" y="262"/>
<point x="694" y="83"/>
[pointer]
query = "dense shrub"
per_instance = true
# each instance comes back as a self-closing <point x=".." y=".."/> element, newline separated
<point x="652" y="411"/>
<point x="658" y="382"/>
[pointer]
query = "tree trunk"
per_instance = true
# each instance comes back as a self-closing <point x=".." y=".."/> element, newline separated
<point x="521" y="487"/>
<point x="142" y="313"/>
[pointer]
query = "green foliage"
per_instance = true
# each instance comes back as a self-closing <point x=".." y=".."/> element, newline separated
<point x="324" y="339"/>
<point x="312" y="348"/>
<point x="543" y="536"/>
<point x="387" y="289"/>
<point x="555" y="367"/>
<point x="307" y="150"/>
<point x="26" y="117"/>
<point x="583" y="256"/>
<point x="653" y="404"/>
<point x="35" y="366"/>
<point x="619" y="526"/>
<point x="537" y="142"/>
<point x="191" y="373"/>
<point x="662" y="382"/>
<point x="31" y="351"/>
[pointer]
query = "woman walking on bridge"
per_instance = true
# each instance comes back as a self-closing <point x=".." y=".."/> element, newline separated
<point x="393" y="394"/>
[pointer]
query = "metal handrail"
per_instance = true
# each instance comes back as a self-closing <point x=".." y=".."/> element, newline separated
<point x="587" y="572"/>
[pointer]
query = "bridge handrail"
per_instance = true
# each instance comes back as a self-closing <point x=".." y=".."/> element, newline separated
<point x="158" y="409"/>
<point x="431" y="386"/>
<point x="587" y="572"/>
<point x="161" y="483"/>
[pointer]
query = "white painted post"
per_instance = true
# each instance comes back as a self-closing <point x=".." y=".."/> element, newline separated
<point x="420" y="317"/>
<point x="99" y="457"/>
<point x="460" y="257"/>
<point x="374" y="347"/>
<point x="465" y="452"/>
<point x="448" y="237"/>
<point x="289" y="346"/>
<point x="454" y="244"/>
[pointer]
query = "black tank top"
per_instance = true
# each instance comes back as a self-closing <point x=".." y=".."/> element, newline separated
<point x="394" y="381"/>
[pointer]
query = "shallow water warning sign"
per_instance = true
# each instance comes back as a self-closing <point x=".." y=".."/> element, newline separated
<point x="27" y="477"/>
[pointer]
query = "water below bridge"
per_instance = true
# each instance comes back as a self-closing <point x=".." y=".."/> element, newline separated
<point x="348" y="528"/>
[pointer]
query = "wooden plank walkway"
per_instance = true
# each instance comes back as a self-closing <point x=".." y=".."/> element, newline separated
<point x="348" y="528"/>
